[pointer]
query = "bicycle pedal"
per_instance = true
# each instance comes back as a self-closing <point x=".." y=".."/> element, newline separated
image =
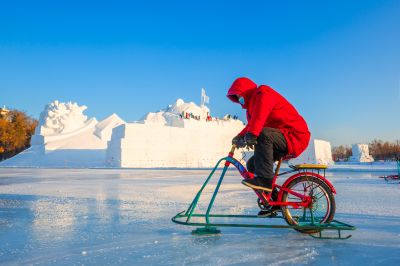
<point x="267" y="214"/>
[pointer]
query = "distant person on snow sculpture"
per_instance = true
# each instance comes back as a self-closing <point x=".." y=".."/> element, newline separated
<point x="274" y="129"/>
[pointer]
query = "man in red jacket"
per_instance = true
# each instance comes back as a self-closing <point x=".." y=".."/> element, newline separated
<point x="275" y="129"/>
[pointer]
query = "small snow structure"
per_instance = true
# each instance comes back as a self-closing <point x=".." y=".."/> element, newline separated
<point x="317" y="152"/>
<point x="360" y="154"/>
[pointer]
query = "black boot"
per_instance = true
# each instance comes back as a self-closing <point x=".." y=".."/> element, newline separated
<point x="274" y="196"/>
<point x="270" y="211"/>
<point x="259" y="183"/>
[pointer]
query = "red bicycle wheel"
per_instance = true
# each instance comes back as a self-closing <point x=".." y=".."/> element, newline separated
<point x="321" y="210"/>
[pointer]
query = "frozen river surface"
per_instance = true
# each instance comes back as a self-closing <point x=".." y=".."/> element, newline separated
<point x="108" y="217"/>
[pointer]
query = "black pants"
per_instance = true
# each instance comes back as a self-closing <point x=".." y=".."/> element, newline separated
<point x="271" y="146"/>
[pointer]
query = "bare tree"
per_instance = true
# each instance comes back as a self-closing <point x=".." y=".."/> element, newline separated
<point x="16" y="129"/>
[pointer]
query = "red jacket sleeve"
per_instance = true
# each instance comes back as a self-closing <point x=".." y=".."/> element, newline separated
<point x="264" y="103"/>
<point x="243" y="132"/>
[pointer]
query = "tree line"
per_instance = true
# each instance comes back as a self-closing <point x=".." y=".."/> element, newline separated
<point x="16" y="130"/>
<point x="379" y="149"/>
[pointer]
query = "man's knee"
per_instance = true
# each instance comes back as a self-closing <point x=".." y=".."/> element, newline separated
<point x="268" y="134"/>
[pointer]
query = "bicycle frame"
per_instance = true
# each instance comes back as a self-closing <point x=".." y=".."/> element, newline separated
<point x="266" y="197"/>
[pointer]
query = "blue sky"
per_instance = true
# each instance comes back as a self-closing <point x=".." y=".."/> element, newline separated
<point x="338" y="62"/>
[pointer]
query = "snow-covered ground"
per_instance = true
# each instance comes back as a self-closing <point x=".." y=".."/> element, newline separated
<point x="122" y="216"/>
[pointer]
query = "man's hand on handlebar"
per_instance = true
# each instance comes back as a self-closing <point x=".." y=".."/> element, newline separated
<point x="242" y="141"/>
<point x="239" y="141"/>
<point x="250" y="140"/>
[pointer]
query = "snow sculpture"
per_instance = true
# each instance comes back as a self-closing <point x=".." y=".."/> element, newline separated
<point x="180" y="107"/>
<point x="104" y="128"/>
<point x="360" y="153"/>
<point x="173" y="114"/>
<point x="65" y="137"/>
<point x="317" y="152"/>
<point x="60" y="118"/>
<point x="181" y="135"/>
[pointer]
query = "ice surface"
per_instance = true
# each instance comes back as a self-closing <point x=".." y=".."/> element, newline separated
<point x="103" y="217"/>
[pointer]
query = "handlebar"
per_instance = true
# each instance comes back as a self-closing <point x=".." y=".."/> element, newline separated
<point x="233" y="149"/>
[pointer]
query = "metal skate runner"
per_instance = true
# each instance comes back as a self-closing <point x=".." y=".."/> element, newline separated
<point x="390" y="178"/>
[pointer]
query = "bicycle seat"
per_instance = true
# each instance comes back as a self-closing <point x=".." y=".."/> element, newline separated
<point x="308" y="166"/>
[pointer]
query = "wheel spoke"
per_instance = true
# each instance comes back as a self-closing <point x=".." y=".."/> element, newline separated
<point x="321" y="192"/>
<point x="323" y="195"/>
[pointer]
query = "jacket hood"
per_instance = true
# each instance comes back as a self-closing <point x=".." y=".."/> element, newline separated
<point x="243" y="87"/>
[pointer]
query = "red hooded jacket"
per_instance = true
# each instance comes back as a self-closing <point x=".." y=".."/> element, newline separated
<point x="267" y="108"/>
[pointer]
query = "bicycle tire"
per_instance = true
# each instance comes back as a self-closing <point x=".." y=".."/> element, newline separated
<point x="317" y="186"/>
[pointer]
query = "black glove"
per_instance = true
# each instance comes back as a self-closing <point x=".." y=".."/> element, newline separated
<point x="239" y="141"/>
<point x="250" y="139"/>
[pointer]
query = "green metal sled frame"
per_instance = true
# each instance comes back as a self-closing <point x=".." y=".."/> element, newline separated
<point x="208" y="227"/>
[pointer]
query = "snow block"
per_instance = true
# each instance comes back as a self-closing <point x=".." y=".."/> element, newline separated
<point x="104" y="128"/>
<point x="360" y="154"/>
<point x="195" y="144"/>
<point x="317" y="152"/>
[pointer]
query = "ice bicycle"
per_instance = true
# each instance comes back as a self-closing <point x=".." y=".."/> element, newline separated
<point x="389" y="178"/>
<point x="306" y="201"/>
